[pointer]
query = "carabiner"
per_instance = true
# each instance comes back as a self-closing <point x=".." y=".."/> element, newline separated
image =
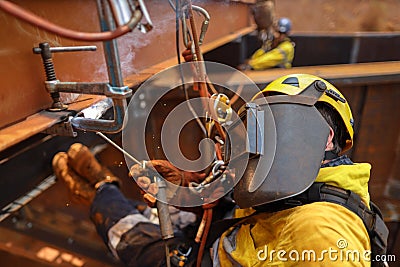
<point x="204" y="25"/>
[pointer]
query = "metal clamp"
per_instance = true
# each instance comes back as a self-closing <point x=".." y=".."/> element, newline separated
<point x="46" y="51"/>
<point x="88" y="88"/>
<point x="119" y="94"/>
<point x="62" y="129"/>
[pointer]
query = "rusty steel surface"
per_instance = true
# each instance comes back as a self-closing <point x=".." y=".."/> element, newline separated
<point x="28" y="250"/>
<point x="351" y="74"/>
<point x="378" y="133"/>
<point x="41" y="121"/>
<point x="22" y="92"/>
<point x="342" y="48"/>
<point x="372" y="90"/>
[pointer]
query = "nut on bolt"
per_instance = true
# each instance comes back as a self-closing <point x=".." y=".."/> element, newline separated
<point x="320" y="86"/>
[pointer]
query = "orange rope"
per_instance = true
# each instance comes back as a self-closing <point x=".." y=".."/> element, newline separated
<point x="205" y="224"/>
<point x="218" y="151"/>
<point x="207" y="218"/>
<point x="203" y="85"/>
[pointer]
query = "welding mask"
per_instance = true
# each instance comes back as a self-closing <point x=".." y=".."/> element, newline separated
<point x="284" y="140"/>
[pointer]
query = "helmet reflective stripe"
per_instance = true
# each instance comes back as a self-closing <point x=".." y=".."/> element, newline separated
<point x="334" y="98"/>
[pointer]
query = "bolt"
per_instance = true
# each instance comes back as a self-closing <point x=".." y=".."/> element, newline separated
<point x="320" y="86"/>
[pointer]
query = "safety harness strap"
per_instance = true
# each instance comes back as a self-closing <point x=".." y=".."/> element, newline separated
<point x="346" y="198"/>
<point x="329" y="155"/>
<point x="372" y="218"/>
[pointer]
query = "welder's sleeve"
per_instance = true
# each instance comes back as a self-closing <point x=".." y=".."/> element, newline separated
<point x="282" y="56"/>
<point x="265" y="60"/>
<point x="129" y="235"/>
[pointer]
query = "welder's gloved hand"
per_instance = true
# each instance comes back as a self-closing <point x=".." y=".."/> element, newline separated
<point x="168" y="172"/>
<point x="82" y="173"/>
<point x="244" y="67"/>
<point x="144" y="177"/>
<point x="80" y="190"/>
<point x="84" y="163"/>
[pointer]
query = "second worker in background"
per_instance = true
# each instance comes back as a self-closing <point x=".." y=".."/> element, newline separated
<point x="281" y="53"/>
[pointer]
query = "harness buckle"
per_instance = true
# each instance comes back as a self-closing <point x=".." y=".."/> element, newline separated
<point x="294" y="202"/>
<point x="180" y="255"/>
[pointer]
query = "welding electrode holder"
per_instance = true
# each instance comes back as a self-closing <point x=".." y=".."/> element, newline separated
<point x="167" y="231"/>
<point x="164" y="217"/>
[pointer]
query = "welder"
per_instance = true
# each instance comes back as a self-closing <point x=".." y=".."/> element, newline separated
<point x="305" y="197"/>
<point x="279" y="55"/>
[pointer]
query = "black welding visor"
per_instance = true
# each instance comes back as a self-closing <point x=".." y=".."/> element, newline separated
<point x="281" y="141"/>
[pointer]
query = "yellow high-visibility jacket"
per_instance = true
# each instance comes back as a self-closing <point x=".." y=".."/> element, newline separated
<point x="316" y="234"/>
<point x="281" y="56"/>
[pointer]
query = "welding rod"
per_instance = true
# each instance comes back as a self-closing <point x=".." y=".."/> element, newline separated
<point x="119" y="148"/>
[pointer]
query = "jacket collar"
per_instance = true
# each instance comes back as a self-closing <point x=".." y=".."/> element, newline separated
<point x="341" y="172"/>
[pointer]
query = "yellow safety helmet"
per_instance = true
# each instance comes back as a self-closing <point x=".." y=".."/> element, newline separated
<point x="294" y="84"/>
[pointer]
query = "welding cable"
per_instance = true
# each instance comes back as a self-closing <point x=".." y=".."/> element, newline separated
<point x="218" y="151"/>
<point x="206" y="222"/>
<point x="172" y="5"/>
<point x="237" y="94"/>
<point x="212" y="88"/>
<point x="202" y="73"/>
<point x="202" y="84"/>
<point x="203" y="89"/>
<point x="181" y="72"/>
<point x="35" y="20"/>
